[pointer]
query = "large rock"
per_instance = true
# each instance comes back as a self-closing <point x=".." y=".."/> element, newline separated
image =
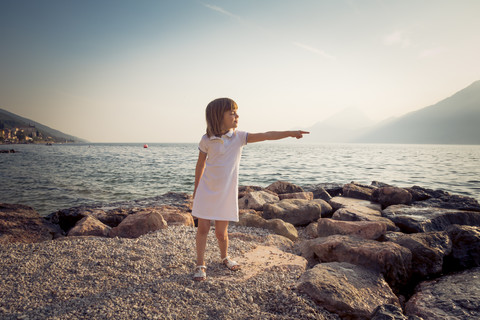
<point x="391" y="259"/>
<point x="454" y="296"/>
<point x="388" y="196"/>
<point x="138" y="224"/>
<point x="342" y="202"/>
<point x="357" y="191"/>
<point x="362" y="213"/>
<point x="319" y="192"/>
<point x="363" y="229"/>
<point x="89" y="226"/>
<point x="428" y="250"/>
<point x="19" y="223"/>
<point x="256" y="200"/>
<point x="442" y="199"/>
<point x="111" y="218"/>
<point x="176" y="217"/>
<point x="465" y="248"/>
<point x="278" y="226"/>
<point x="411" y="219"/>
<point x="280" y="187"/>
<point x="297" y="212"/>
<point x="333" y="189"/>
<point x="296" y="195"/>
<point x="351" y="291"/>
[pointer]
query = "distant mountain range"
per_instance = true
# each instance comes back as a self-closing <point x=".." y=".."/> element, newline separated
<point x="454" y="120"/>
<point x="9" y="120"/>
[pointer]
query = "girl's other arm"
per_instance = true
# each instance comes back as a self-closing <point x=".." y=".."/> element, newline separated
<point x="275" y="135"/>
<point x="202" y="158"/>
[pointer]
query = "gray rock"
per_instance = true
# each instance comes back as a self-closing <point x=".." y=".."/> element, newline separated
<point x="362" y="213"/>
<point x="391" y="259"/>
<point x="342" y="202"/>
<point x="89" y="226"/>
<point x="19" y="223"/>
<point x="357" y="191"/>
<point x="411" y="219"/>
<point x="256" y="200"/>
<point x="280" y="187"/>
<point x="428" y="250"/>
<point x="454" y="296"/>
<point x="138" y="224"/>
<point x="277" y="226"/>
<point x="296" y="211"/>
<point x="363" y="229"/>
<point x="388" y="196"/>
<point x="351" y="291"/>
<point x="442" y="199"/>
<point x="465" y="247"/>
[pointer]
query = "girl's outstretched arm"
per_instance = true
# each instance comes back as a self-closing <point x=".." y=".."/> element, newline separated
<point x="275" y="135"/>
<point x="199" y="168"/>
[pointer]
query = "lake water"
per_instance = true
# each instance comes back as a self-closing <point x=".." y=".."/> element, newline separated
<point x="55" y="177"/>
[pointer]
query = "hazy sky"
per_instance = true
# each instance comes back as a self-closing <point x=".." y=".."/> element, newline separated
<point x="144" y="71"/>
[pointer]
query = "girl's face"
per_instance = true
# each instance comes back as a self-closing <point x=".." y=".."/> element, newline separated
<point x="230" y="120"/>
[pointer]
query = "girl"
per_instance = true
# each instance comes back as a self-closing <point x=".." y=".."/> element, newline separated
<point x="216" y="176"/>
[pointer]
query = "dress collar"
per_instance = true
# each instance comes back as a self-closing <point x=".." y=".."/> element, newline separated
<point x="229" y="134"/>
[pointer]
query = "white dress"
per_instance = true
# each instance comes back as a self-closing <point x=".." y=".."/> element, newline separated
<point x="216" y="197"/>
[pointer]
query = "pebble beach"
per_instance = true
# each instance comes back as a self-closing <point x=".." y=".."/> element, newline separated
<point x="147" y="278"/>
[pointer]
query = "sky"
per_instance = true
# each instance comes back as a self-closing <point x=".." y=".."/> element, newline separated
<point x="144" y="71"/>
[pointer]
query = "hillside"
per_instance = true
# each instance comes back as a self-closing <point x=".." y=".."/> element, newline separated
<point x="10" y="122"/>
<point x="340" y="127"/>
<point x="454" y="120"/>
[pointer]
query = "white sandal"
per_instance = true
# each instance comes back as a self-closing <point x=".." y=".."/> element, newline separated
<point x="200" y="274"/>
<point x="230" y="264"/>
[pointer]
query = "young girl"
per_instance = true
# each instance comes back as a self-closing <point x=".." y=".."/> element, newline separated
<point x="216" y="176"/>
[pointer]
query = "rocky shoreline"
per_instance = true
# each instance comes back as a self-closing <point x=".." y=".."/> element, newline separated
<point x="323" y="251"/>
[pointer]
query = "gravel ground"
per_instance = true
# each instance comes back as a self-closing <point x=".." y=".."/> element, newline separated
<point x="145" y="278"/>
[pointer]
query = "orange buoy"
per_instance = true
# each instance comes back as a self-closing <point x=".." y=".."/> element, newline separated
<point x="145" y="145"/>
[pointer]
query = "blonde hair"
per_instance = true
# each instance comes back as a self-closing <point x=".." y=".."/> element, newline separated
<point x="214" y="115"/>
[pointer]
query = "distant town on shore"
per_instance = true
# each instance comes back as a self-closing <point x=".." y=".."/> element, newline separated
<point x="28" y="134"/>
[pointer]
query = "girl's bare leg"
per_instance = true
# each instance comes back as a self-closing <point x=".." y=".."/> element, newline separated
<point x="201" y="240"/>
<point x="221" y="232"/>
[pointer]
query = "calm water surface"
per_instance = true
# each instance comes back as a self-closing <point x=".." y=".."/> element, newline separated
<point x="49" y="178"/>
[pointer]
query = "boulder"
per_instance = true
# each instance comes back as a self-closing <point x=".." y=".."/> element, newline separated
<point x="388" y="196"/>
<point x="442" y="199"/>
<point x="139" y="223"/>
<point x="19" y="223"/>
<point x="311" y="230"/>
<point x="351" y="291"/>
<point x="280" y="187"/>
<point x="342" y="202"/>
<point x="68" y="218"/>
<point x="465" y="247"/>
<point x="391" y="259"/>
<point x="256" y="200"/>
<point x="296" y="195"/>
<point x="411" y="219"/>
<point x="296" y="211"/>
<point x="362" y="213"/>
<point x="319" y="192"/>
<point x="454" y="296"/>
<point x="110" y="218"/>
<point x="176" y="217"/>
<point x="243" y="190"/>
<point x="90" y="226"/>
<point x="428" y="250"/>
<point x="391" y="312"/>
<point x="357" y="191"/>
<point x="363" y="229"/>
<point x="277" y="226"/>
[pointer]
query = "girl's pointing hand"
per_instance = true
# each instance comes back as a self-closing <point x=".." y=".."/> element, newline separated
<point x="299" y="134"/>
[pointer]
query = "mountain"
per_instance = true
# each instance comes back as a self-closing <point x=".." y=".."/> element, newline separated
<point x="455" y="120"/>
<point x="340" y="127"/>
<point x="9" y="120"/>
